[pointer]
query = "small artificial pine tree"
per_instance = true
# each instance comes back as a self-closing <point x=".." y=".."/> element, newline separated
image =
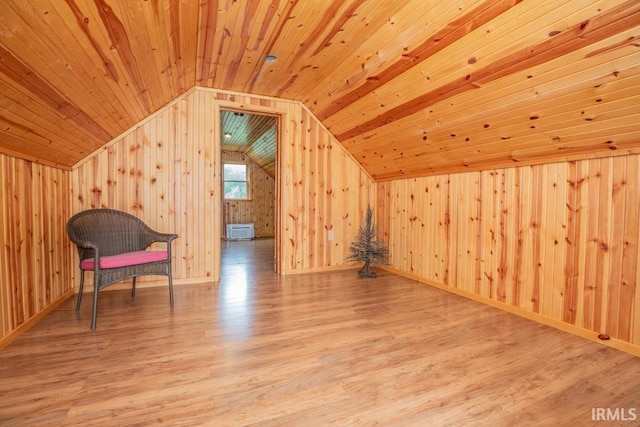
<point x="366" y="248"/>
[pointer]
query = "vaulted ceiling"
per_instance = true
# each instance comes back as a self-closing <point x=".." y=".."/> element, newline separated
<point x="409" y="87"/>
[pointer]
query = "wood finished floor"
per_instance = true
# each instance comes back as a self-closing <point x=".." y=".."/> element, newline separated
<point x="305" y="350"/>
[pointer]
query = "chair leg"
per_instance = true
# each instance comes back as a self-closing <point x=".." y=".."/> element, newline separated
<point x="170" y="290"/>
<point x="133" y="288"/>
<point x="79" y="299"/>
<point x="94" y="315"/>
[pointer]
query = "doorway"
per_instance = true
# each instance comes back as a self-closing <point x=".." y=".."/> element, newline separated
<point x="249" y="146"/>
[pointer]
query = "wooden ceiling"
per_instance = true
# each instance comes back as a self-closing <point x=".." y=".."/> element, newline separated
<point x="409" y="87"/>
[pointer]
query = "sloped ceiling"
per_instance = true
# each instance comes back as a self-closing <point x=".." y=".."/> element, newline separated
<point x="409" y="87"/>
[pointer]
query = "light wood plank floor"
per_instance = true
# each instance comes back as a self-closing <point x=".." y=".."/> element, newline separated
<point x="319" y="349"/>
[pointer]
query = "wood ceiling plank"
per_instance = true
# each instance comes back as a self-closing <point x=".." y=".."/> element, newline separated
<point x="234" y="124"/>
<point x="488" y="106"/>
<point x="44" y="83"/>
<point x="582" y="104"/>
<point x="445" y="37"/>
<point x="15" y="147"/>
<point x="153" y="22"/>
<point x="110" y="84"/>
<point x="541" y="143"/>
<point x="98" y="72"/>
<point x="186" y="47"/>
<point x="217" y="25"/>
<point x="608" y="24"/>
<point x="293" y="31"/>
<point x="474" y="155"/>
<point x="239" y="15"/>
<point x="452" y="66"/>
<point x="348" y="35"/>
<point x="207" y="25"/>
<point x="626" y="144"/>
<point x="259" y="19"/>
<point x="589" y="85"/>
<point x="556" y="124"/>
<point x="18" y="107"/>
<point x="449" y="167"/>
<point x="383" y="44"/>
<point x="152" y="47"/>
<point x="225" y="28"/>
<point x="124" y="42"/>
<point x="527" y="88"/>
<point x="270" y="33"/>
<point x="178" y="23"/>
<point x="83" y="81"/>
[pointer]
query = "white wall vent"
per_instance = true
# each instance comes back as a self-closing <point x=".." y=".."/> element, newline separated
<point x="240" y="231"/>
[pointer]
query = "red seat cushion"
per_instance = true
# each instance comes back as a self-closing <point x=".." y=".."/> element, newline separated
<point x="126" y="259"/>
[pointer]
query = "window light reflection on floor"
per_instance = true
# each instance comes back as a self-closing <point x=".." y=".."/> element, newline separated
<point x="234" y="305"/>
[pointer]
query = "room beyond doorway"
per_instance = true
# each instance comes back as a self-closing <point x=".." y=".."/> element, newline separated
<point x="248" y="144"/>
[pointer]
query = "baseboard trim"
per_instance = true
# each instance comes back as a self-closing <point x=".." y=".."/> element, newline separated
<point x="35" y="319"/>
<point x="557" y="324"/>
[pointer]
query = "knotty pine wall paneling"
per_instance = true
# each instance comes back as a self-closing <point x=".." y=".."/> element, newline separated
<point x="557" y="242"/>
<point x="36" y="266"/>
<point x="163" y="171"/>
<point x="166" y="170"/>
<point x="260" y="210"/>
<point x="324" y="191"/>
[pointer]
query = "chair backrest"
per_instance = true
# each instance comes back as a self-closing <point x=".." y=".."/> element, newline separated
<point x="111" y="231"/>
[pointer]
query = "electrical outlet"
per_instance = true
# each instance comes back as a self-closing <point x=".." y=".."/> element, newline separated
<point x="330" y="235"/>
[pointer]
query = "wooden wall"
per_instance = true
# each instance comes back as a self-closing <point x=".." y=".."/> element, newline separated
<point x="555" y="242"/>
<point x="324" y="190"/>
<point x="35" y="260"/>
<point x="166" y="170"/>
<point x="261" y="209"/>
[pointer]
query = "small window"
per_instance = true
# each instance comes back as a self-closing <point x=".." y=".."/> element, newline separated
<point x="236" y="181"/>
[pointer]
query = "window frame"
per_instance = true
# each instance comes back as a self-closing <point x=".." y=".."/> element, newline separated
<point x="247" y="181"/>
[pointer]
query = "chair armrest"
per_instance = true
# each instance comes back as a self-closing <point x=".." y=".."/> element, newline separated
<point x="86" y="245"/>
<point x="163" y="237"/>
<point x="88" y="248"/>
<point x="149" y="236"/>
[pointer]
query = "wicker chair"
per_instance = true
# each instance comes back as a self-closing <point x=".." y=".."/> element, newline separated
<point x="118" y="241"/>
